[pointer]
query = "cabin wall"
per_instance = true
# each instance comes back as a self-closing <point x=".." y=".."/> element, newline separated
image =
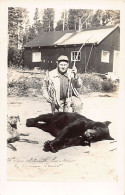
<point x="111" y="43"/>
<point x="49" y="56"/>
<point x="90" y="57"/>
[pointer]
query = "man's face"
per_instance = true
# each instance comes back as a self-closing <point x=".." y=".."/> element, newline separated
<point x="63" y="66"/>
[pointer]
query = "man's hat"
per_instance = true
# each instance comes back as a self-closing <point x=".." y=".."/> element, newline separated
<point x="63" y="58"/>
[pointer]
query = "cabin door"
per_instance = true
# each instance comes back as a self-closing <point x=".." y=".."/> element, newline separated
<point x="116" y="62"/>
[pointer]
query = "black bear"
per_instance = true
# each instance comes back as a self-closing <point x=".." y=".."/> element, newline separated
<point x="69" y="129"/>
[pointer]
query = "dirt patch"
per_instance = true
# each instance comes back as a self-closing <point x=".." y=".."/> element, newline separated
<point x="95" y="163"/>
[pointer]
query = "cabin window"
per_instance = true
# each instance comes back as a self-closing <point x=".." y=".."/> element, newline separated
<point x="105" y="56"/>
<point x="36" y="57"/>
<point x="75" y="56"/>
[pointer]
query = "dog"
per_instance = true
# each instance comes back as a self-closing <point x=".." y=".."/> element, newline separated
<point x="69" y="129"/>
<point x="13" y="133"/>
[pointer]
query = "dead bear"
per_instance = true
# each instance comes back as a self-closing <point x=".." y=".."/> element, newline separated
<point x="69" y="129"/>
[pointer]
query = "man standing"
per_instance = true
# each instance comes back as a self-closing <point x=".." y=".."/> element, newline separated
<point x="60" y="87"/>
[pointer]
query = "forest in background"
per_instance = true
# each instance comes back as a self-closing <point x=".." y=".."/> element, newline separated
<point x="21" y="31"/>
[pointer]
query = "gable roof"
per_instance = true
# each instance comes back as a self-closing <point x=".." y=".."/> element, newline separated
<point x="46" y="38"/>
<point x="87" y="36"/>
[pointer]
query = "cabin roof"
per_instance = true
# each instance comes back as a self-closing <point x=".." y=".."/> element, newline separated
<point x="86" y="36"/>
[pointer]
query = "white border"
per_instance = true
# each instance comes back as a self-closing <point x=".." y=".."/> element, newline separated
<point x="59" y="188"/>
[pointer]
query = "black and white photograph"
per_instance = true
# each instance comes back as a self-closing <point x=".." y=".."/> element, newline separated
<point x="63" y="95"/>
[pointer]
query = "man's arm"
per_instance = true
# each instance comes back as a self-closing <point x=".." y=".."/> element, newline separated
<point x="45" y="91"/>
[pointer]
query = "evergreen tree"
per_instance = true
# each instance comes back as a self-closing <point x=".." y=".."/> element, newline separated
<point x="40" y="29"/>
<point x="37" y="22"/>
<point x="48" y="19"/>
<point x="13" y="26"/>
<point x="97" y="19"/>
<point x="31" y="34"/>
<point x="16" y="32"/>
<point x="73" y="19"/>
<point x="59" y="26"/>
<point x="26" y="25"/>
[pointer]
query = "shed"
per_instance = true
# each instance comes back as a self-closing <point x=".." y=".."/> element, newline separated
<point x="93" y="49"/>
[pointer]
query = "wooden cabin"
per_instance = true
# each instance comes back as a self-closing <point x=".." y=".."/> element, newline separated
<point x="92" y="50"/>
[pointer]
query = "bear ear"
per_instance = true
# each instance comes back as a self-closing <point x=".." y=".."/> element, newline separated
<point x="107" y="123"/>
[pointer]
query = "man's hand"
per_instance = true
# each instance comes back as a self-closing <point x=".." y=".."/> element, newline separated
<point x="74" y="70"/>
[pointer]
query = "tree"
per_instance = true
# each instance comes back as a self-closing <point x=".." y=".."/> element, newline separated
<point x="111" y="17"/>
<point x="18" y="26"/>
<point x="26" y="25"/>
<point x="48" y="19"/>
<point x="59" y="26"/>
<point x="37" y="22"/>
<point x="84" y="18"/>
<point x="97" y="19"/>
<point x="62" y="24"/>
<point x="32" y="31"/>
<point x="16" y="31"/>
<point x="73" y="19"/>
<point x="13" y="26"/>
<point x="106" y="17"/>
<point x="79" y="19"/>
<point x="31" y="34"/>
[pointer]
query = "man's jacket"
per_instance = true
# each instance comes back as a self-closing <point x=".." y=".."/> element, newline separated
<point x="53" y="81"/>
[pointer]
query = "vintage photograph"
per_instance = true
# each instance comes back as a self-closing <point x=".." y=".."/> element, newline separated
<point x="63" y="83"/>
<point x="63" y="96"/>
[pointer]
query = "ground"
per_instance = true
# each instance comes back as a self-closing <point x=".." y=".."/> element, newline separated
<point x="95" y="163"/>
